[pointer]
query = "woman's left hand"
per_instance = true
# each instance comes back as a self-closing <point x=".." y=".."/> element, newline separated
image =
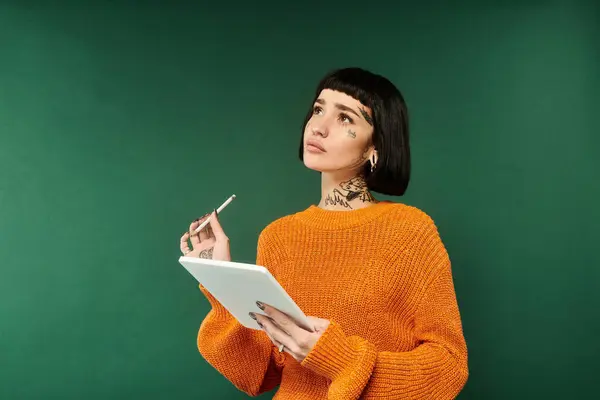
<point x="282" y="330"/>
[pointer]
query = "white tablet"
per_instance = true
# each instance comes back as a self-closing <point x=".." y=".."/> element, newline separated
<point x="238" y="286"/>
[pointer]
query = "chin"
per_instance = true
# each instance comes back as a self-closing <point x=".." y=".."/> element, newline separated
<point x="316" y="165"/>
<point x="319" y="165"/>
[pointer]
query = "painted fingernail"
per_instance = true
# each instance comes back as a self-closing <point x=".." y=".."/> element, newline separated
<point x="260" y="305"/>
<point x="252" y="316"/>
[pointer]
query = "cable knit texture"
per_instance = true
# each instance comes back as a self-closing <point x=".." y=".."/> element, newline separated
<point x="382" y="277"/>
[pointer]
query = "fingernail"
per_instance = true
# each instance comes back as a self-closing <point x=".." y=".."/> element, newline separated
<point x="259" y="324"/>
<point x="253" y="316"/>
<point x="260" y="305"/>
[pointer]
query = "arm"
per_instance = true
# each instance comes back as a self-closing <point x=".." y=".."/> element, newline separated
<point x="246" y="357"/>
<point x="435" y="369"/>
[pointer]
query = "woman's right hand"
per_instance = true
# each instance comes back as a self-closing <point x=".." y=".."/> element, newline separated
<point x="211" y="242"/>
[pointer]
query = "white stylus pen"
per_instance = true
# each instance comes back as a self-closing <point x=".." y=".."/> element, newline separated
<point x="202" y="225"/>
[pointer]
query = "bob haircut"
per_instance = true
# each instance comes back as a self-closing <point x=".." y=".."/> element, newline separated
<point x="391" y="174"/>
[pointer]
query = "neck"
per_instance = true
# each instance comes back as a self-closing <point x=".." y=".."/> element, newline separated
<point x="344" y="193"/>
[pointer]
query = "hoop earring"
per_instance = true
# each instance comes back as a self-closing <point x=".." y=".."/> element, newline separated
<point x="373" y="162"/>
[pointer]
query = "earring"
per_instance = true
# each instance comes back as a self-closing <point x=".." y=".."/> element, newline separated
<point x="373" y="162"/>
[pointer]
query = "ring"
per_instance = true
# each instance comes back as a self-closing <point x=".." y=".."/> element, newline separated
<point x="281" y="347"/>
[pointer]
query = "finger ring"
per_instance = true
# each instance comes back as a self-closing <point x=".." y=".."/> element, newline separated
<point x="281" y="347"/>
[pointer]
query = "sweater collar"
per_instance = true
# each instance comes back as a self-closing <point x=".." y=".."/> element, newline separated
<point x="333" y="220"/>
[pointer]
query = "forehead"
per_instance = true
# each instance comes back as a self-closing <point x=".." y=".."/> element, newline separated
<point x="333" y="96"/>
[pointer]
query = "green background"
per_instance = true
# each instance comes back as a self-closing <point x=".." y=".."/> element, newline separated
<point x="120" y="122"/>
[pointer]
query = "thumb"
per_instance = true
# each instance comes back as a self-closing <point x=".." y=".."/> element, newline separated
<point x="319" y="324"/>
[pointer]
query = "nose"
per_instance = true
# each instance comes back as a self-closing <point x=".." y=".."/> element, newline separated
<point x="320" y="130"/>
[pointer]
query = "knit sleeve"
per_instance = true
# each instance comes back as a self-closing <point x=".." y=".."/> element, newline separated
<point x="435" y="369"/>
<point x="246" y="357"/>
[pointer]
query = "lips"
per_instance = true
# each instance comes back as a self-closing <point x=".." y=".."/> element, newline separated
<point x="315" y="146"/>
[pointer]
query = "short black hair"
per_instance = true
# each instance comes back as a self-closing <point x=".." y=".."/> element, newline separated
<point x="390" y="125"/>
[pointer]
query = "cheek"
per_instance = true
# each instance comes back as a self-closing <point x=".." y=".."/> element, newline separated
<point x="307" y="129"/>
<point x="350" y="142"/>
<point x="348" y="150"/>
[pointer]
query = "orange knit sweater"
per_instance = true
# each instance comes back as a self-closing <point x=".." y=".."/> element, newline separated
<point x="382" y="276"/>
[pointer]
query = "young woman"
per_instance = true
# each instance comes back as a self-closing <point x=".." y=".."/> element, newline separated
<point x="374" y="274"/>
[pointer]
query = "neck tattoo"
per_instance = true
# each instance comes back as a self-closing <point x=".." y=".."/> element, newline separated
<point x="355" y="188"/>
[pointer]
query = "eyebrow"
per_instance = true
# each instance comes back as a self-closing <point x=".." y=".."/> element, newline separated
<point x="340" y="107"/>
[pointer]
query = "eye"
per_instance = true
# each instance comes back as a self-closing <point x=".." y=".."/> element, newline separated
<point x="317" y="110"/>
<point x="346" y="119"/>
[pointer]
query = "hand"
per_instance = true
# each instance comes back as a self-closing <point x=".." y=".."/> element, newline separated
<point x="211" y="242"/>
<point x="282" y="330"/>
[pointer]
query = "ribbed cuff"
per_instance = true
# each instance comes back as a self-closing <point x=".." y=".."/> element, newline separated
<point x="335" y="356"/>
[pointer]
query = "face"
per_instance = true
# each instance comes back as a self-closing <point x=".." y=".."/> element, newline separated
<point x="338" y="135"/>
